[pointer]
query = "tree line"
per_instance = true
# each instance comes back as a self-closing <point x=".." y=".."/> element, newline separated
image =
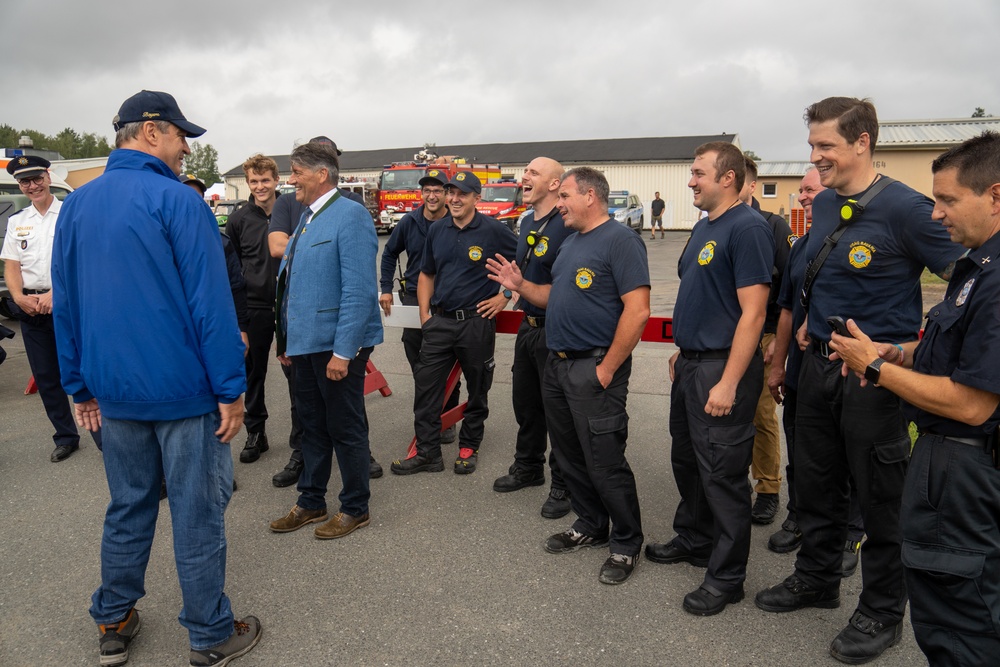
<point x="69" y="143"/>
<point x="203" y="161"/>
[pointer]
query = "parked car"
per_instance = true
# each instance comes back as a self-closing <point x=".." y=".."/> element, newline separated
<point x="626" y="209"/>
<point x="223" y="208"/>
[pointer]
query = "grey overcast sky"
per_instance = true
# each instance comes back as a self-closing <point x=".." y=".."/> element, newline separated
<point x="385" y="74"/>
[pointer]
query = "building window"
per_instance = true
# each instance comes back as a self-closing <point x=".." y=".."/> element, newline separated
<point x="769" y="190"/>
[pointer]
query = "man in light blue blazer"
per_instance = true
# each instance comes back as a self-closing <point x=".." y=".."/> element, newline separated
<point x="327" y="325"/>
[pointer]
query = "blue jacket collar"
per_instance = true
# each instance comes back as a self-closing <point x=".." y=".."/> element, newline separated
<point x="126" y="158"/>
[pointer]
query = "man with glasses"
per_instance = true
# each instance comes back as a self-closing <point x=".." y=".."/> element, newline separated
<point x="409" y="236"/>
<point x="27" y="254"/>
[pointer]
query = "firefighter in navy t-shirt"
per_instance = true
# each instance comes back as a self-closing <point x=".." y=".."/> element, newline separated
<point x="600" y="277"/>
<point x="717" y="376"/>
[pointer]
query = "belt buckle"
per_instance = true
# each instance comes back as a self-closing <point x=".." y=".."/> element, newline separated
<point x="562" y="355"/>
<point x="460" y="315"/>
<point x="532" y="322"/>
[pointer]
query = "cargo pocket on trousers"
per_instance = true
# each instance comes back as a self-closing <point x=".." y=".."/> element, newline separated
<point x="888" y="468"/>
<point x="607" y="440"/>
<point x="488" y="367"/>
<point x="942" y="572"/>
<point x="731" y="447"/>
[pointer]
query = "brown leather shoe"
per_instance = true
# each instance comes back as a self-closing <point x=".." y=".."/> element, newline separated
<point x="297" y="518"/>
<point x="341" y="524"/>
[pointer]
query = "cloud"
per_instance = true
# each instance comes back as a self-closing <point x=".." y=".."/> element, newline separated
<point x="259" y="75"/>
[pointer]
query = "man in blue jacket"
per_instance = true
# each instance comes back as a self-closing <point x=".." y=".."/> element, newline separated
<point x="328" y="324"/>
<point x="149" y="347"/>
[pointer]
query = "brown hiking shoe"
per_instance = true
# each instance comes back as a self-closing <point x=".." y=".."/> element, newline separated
<point x="246" y="634"/>
<point x="116" y="637"/>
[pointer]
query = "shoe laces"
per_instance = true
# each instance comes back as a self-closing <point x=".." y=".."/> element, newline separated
<point x="466" y="452"/>
<point x="621" y="559"/>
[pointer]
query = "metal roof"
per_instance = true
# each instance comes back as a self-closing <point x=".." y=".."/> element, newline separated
<point x="584" y="151"/>
<point x="932" y="133"/>
<point x="765" y="169"/>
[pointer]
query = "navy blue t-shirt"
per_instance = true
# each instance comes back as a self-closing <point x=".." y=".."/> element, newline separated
<point x="543" y="255"/>
<point x="409" y="236"/>
<point x="873" y="273"/>
<point x="788" y="299"/>
<point x="962" y="338"/>
<point x="723" y="255"/>
<point x="457" y="260"/>
<point x="591" y="273"/>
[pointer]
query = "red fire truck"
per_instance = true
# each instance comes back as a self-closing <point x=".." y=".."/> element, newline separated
<point x="503" y="200"/>
<point x="399" y="190"/>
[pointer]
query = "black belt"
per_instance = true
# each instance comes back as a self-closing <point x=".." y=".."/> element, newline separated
<point x="460" y="314"/>
<point x="35" y="291"/>
<point x="705" y="354"/>
<point x="983" y="441"/>
<point x="582" y="354"/>
<point x="821" y="348"/>
<point x="535" y="322"/>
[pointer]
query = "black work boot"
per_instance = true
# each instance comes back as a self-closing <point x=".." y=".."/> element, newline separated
<point x="256" y="445"/>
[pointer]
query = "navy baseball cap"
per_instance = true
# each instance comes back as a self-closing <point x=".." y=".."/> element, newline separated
<point x="153" y="105"/>
<point x="466" y="181"/>
<point x="434" y="176"/>
<point x="191" y="178"/>
<point x="27" y="166"/>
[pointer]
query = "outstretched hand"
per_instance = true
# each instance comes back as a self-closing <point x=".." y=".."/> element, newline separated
<point x="505" y="272"/>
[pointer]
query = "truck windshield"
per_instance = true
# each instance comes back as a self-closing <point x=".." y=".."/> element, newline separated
<point x="401" y="179"/>
<point x="502" y="193"/>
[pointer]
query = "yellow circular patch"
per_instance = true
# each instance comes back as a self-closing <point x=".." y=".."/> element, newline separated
<point x="460" y="177"/>
<point x="541" y="247"/>
<point x="584" y="278"/>
<point x="475" y="253"/>
<point x="860" y="255"/>
<point x="707" y="253"/>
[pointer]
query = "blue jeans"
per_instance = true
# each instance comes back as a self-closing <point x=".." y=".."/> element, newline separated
<point x="335" y="423"/>
<point x="199" y="474"/>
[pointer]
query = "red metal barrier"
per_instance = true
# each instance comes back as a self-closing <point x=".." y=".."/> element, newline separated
<point x="657" y="330"/>
<point x="375" y="381"/>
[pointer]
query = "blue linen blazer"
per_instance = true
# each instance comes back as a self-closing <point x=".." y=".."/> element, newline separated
<point x="332" y="288"/>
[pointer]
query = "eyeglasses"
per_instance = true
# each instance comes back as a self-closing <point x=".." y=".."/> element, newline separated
<point x="28" y="182"/>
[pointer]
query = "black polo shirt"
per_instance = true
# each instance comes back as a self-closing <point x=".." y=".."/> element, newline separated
<point x="456" y="257"/>
<point x="962" y="338"/>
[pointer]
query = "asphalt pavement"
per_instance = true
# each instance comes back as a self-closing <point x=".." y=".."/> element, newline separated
<point x="448" y="573"/>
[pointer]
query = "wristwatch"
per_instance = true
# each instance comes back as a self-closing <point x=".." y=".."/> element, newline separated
<point x="507" y="294"/>
<point x="874" y="370"/>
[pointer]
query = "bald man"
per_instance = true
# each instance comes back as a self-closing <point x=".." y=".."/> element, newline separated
<point x="542" y="231"/>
